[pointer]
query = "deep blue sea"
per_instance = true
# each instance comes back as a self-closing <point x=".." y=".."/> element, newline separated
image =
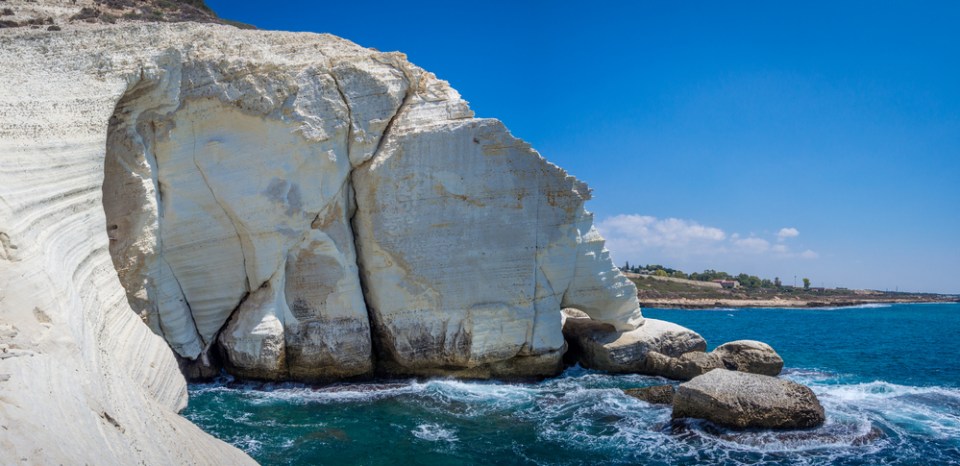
<point x="888" y="377"/>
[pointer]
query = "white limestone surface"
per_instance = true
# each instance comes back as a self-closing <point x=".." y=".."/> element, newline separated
<point x="82" y="379"/>
<point x="288" y="198"/>
<point x="470" y="243"/>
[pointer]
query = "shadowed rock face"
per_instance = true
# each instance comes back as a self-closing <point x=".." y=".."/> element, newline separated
<point x="742" y="400"/>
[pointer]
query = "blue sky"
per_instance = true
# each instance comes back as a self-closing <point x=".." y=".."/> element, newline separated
<point x="818" y="139"/>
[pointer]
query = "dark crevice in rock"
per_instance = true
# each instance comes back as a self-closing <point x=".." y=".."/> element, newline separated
<point x="203" y="369"/>
<point x="346" y="104"/>
<point x="185" y="301"/>
<point x="388" y="129"/>
<point x="214" y="357"/>
<point x="107" y="417"/>
<point x="380" y="354"/>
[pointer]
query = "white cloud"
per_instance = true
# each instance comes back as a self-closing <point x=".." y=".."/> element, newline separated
<point x="643" y="237"/>
<point x="752" y="245"/>
<point x="785" y="233"/>
<point x="638" y="232"/>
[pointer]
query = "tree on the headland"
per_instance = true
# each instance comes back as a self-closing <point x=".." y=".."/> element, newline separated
<point x="776" y="282"/>
<point x="661" y="273"/>
<point x="806" y="283"/>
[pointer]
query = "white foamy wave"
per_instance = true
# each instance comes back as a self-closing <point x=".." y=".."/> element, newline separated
<point x="858" y="306"/>
<point x="473" y="399"/>
<point x="341" y="393"/>
<point x="248" y="444"/>
<point x="434" y="433"/>
<point x="906" y="410"/>
<point x="880" y="390"/>
<point x="481" y="392"/>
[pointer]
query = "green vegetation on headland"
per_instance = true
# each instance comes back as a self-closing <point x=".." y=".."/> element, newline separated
<point x="663" y="287"/>
<point x="709" y="275"/>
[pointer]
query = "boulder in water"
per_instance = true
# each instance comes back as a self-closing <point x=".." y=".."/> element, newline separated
<point x="597" y="345"/>
<point x="684" y="367"/>
<point x="751" y="356"/>
<point x="742" y="400"/>
<point x="741" y="355"/>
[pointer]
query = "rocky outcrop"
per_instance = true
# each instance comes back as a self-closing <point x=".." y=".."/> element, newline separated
<point x="751" y="356"/>
<point x="683" y="367"/>
<point x="741" y="355"/>
<point x="293" y="218"/>
<point x="742" y="400"/>
<point x="54" y="14"/>
<point x="301" y="206"/>
<point x="597" y="345"/>
<point x="237" y="242"/>
<point x="464" y="267"/>
<point x="659" y="348"/>
<point x="656" y="394"/>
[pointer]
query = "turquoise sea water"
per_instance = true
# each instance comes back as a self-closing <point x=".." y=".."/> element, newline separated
<point x="888" y="377"/>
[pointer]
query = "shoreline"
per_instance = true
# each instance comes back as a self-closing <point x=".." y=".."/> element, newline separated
<point x="708" y="303"/>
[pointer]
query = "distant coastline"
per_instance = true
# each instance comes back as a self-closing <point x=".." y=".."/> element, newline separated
<point x="700" y="303"/>
<point x="672" y="293"/>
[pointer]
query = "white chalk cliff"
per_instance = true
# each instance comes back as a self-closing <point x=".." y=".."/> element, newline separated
<point x="307" y="208"/>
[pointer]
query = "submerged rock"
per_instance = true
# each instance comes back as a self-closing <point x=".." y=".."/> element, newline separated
<point x="656" y="394"/>
<point x="742" y="400"/>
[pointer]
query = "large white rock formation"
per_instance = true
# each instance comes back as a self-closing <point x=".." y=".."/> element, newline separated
<point x="309" y="208"/>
